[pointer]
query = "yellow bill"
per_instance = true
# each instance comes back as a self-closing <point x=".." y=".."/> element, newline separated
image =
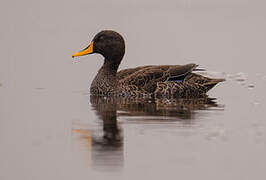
<point x="86" y="51"/>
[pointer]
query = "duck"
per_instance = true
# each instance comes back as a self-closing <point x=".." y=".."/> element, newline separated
<point x="152" y="81"/>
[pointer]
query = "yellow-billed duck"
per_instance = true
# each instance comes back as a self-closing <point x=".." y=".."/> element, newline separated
<point x="169" y="81"/>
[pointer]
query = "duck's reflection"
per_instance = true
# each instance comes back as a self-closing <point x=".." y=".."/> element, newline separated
<point x="177" y="109"/>
<point x="107" y="112"/>
<point x="107" y="148"/>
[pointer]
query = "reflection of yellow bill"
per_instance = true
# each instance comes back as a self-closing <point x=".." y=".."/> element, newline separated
<point x="86" y="51"/>
<point x="85" y="134"/>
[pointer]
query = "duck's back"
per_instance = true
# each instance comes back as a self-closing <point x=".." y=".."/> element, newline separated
<point x="165" y="81"/>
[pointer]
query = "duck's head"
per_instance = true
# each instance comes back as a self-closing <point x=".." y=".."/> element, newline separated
<point x="108" y="43"/>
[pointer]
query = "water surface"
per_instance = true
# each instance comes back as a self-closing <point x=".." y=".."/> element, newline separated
<point x="50" y="127"/>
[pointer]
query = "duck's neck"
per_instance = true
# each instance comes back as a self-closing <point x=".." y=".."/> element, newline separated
<point x="109" y="66"/>
<point x="105" y="81"/>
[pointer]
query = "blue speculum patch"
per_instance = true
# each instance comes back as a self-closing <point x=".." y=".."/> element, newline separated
<point x="179" y="80"/>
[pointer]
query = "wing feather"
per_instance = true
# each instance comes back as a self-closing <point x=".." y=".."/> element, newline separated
<point x="147" y="77"/>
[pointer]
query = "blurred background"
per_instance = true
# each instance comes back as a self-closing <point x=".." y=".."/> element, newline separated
<point x="43" y="91"/>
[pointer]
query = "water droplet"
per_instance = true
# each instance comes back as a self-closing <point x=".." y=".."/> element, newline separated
<point x="75" y="61"/>
<point x="251" y="86"/>
<point x="230" y="76"/>
<point x="240" y="77"/>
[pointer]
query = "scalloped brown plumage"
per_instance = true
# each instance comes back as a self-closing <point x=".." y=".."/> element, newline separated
<point x="170" y="81"/>
<point x="167" y="81"/>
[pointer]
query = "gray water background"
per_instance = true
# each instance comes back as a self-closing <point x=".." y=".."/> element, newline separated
<point x="44" y="96"/>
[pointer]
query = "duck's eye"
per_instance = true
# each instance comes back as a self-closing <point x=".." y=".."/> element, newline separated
<point x="101" y="38"/>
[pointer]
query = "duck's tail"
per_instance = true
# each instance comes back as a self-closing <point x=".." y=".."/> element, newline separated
<point x="207" y="83"/>
<point x="193" y="86"/>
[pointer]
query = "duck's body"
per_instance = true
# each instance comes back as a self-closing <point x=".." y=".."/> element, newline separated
<point x="170" y="81"/>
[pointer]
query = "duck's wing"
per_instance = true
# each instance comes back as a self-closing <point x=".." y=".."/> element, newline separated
<point x="147" y="77"/>
<point x="127" y="72"/>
